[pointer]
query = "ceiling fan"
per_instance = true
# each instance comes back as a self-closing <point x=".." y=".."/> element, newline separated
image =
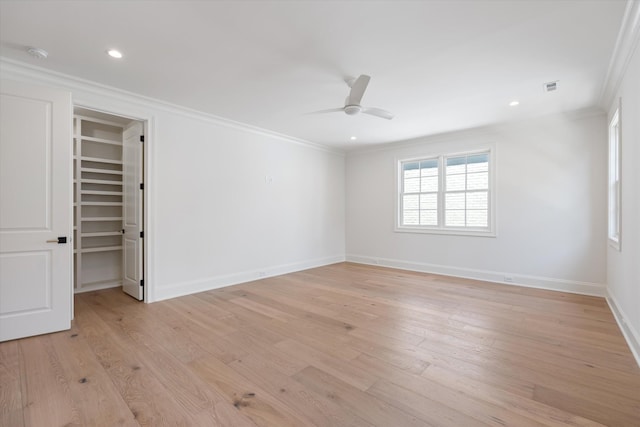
<point x="352" y="104"/>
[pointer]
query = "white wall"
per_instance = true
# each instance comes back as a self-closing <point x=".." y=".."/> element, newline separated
<point x="623" y="267"/>
<point x="232" y="204"/>
<point x="213" y="219"/>
<point x="551" y="206"/>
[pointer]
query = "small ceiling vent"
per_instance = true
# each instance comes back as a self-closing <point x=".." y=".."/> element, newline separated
<point x="551" y="86"/>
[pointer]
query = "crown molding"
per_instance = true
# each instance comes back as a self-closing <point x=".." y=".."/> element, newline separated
<point x="487" y="131"/>
<point x="10" y="68"/>
<point x="622" y="52"/>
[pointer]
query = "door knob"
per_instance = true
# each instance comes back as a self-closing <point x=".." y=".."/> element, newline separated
<point x="59" y="240"/>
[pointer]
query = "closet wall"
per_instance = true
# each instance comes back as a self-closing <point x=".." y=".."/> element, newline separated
<point x="98" y="199"/>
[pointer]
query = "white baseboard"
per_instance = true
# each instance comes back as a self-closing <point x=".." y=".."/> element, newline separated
<point x="99" y="286"/>
<point x="210" y="283"/>
<point x="630" y="334"/>
<point x="571" y="286"/>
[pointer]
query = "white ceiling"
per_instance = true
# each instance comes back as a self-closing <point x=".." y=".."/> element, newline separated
<point x="438" y="65"/>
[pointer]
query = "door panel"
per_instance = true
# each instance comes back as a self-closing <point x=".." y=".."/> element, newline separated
<point x="30" y="270"/>
<point x="35" y="209"/>
<point x="132" y="248"/>
<point x="25" y="159"/>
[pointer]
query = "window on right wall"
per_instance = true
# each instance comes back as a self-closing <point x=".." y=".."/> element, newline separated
<point x="614" y="180"/>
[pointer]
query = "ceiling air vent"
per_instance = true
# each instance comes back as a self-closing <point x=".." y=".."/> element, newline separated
<point x="551" y="86"/>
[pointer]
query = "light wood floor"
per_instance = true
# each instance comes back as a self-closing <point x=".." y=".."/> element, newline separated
<point x="342" y="345"/>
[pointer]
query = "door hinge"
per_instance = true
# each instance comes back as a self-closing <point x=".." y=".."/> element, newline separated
<point x="141" y="138"/>
<point x="142" y="234"/>
<point x="142" y="186"/>
<point x="142" y="283"/>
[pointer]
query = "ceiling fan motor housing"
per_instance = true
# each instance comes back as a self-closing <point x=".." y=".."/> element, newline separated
<point x="352" y="109"/>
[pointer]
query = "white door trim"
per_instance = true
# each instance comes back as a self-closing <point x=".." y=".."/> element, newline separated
<point x="149" y="124"/>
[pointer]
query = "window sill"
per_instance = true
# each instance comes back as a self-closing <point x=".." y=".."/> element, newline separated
<point x="446" y="231"/>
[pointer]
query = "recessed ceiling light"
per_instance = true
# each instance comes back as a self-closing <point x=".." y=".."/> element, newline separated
<point x="514" y="103"/>
<point x="36" y="52"/>
<point x="114" y="53"/>
<point x="353" y="138"/>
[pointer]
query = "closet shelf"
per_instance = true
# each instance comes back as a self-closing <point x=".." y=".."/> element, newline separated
<point x="101" y="181"/>
<point x="100" y="203"/>
<point x="100" y="284"/>
<point x="102" y="193"/>
<point x="99" y="195"/>
<point x="100" y="140"/>
<point x="95" y="120"/>
<point x="101" y="249"/>
<point x="105" y="171"/>
<point x="102" y="234"/>
<point x="101" y="218"/>
<point x="100" y="160"/>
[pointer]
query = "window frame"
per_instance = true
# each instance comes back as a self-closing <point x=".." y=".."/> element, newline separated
<point x="441" y="228"/>
<point x="614" y="180"/>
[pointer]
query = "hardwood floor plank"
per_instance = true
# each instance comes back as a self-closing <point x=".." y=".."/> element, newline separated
<point x="429" y="410"/>
<point x="204" y="405"/>
<point x="276" y="358"/>
<point x="440" y="403"/>
<point x="113" y="306"/>
<point x="618" y="361"/>
<point x="149" y="401"/>
<point x="251" y="400"/>
<point x="357" y="378"/>
<point x="526" y="406"/>
<point x="340" y="345"/>
<point x="585" y="408"/>
<point x="402" y="355"/>
<point x="318" y="409"/>
<point x="532" y="371"/>
<point x="378" y="412"/>
<point x="47" y="399"/>
<point x="10" y="385"/>
<point x="329" y="340"/>
<point x="97" y="399"/>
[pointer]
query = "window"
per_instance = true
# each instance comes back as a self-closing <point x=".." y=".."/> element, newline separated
<point x="446" y="194"/>
<point x="614" y="180"/>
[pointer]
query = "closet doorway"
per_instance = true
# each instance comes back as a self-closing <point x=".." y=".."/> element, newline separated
<point x="108" y="190"/>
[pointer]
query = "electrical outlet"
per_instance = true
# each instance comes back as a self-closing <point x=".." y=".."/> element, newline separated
<point x="508" y="279"/>
<point x="261" y="274"/>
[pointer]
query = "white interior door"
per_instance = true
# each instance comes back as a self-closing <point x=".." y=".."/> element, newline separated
<point x="132" y="247"/>
<point x="35" y="210"/>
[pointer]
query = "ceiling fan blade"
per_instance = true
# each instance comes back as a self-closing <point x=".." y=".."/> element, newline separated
<point x="330" y="110"/>
<point x="357" y="89"/>
<point x="378" y="112"/>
